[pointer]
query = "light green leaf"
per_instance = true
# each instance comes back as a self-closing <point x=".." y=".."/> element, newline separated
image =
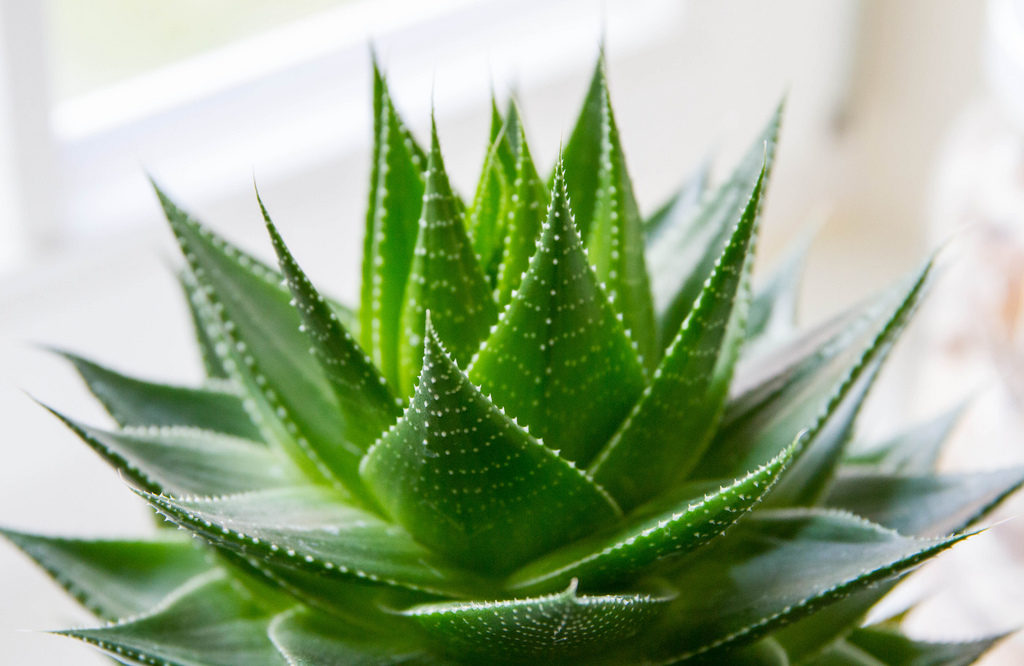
<point x="844" y="653"/>
<point x="775" y="568"/>
<point x="924" y="505"/>
<point x="311" y="529"/>
<point x="205" y="623"/>
<point x="445" y="279"/>
<point x="541" y="627"/>
<point x="525" y="218"/>
<point x="669" y="428"/>
<point x="486" y="217"/>
<point x="396" y="197"/>
<point x="365" y="402"/>
<point x="808" y="480"/>
<point x="204" y="340"/>
<point x="176" y="459"/>
<point x="468" y="482"/>
<point x="773" y="310"/>
<point x="308" y="639"/>
<point x="914" y="451"/>
<point x="895" y="649"/>
<point x="115" y="578"/>
<point x="134" y="402"/>
<point x="689" y="251"/>
<point x="651" y="536"/>
<point x="558" y="348"/>
<point x="262" y="346"/>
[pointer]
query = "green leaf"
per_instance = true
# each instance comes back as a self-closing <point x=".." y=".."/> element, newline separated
<point x="925" y="505"/>
<point x="204" y="340"/>
<point x="310" y="529"/>
<point x="787" y="391"/>
<point x="582" y="154"/>
<point x="267" y="354"/>
<point x="775" y="568"/>
<point x="689" y="251"/>
<point x="365" y="402"/>
<point x="308" y="639"/>
<point x="526" y="216"/>
<point x="650" y="536"/>
<point x="206" y="623"/>
<point x="615" y="240"/>
<point x="445" y="279"/>
<point x="485" y="219"/>
<point x="115" y="578"/>
<point x="914" y="451"/>
<point x="812" y="635"/>
<point x="185" y="460"/>
<point x="675" y="214"/>
<point x="895" y="649"/>
<point x="808" y="480"/>
<point x="843" y="653"/>
<point x="468" y="482"/>
<point x="558" y="348"/>
<point x="542" y="627"/>
<point x="396" y="197"/>
<point x="134" y="402"/>
<point x="675" y="418"/>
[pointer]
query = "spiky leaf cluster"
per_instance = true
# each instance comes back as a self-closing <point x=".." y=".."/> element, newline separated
<point x="554" y="430"/>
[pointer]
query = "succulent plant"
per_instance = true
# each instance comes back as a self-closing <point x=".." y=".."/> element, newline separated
<point x="553" y="430"/>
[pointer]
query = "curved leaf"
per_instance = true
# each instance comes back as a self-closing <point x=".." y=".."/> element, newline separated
<point x="558" y="348"/>
<point x="468" y="482"/>
<point x="185" y="460"/>
<point x="689" y="253"/>
<point x="652" y="536"/>
<point x="676" y="213"/>
<point x="924" y="505"/>
<point x="487" y="215"/>
<point x="204" y="338"/>
<point x="913" y="451"/>
<point x="895" y="649"/>
<point x="365" y="402"/>
<point x="445" y="279"/>
<point x="541" y="627"/>
<point x="310" y="529"/>
<point x="134" y="402"/>
<point x="773" y="308"/>
<point x="308" y="639"/>
<point x="396" y="197"/>
<point x="206" y="623"/>
<point x="775" y="568"/>
<point x="669" y="428"/>
<point x="115" y="578"/>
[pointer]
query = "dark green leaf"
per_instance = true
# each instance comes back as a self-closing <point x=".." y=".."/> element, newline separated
<point x="689" y="251"/>
<point x="206" y="623"/>
<point x="468" y="482"/>
<point x="445" y="279"/>
<point x="650" y="536"/>
<point x="365" y="402"/>
<point x="558" y="348"/>
<point x="311" y="529"/>
<point x="396" y="197"/>
<point x="115" y="578"/>
<point x="308" y="639"/>
<point x="895" y="649"/>
<point x="529" y="195"/>
<point x="267" y="354"/>
<point x="185" y="460"/>
<point x="923" y="505"/>
<point x="134" y="402"/>
<point x="671" y="425"/>
<point x="541" y="627"/>
<point x="808" y="480"/>
<point x="775" y="568"/>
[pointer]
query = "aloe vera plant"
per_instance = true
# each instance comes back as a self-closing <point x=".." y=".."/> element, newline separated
<point x="554" y="430"/>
